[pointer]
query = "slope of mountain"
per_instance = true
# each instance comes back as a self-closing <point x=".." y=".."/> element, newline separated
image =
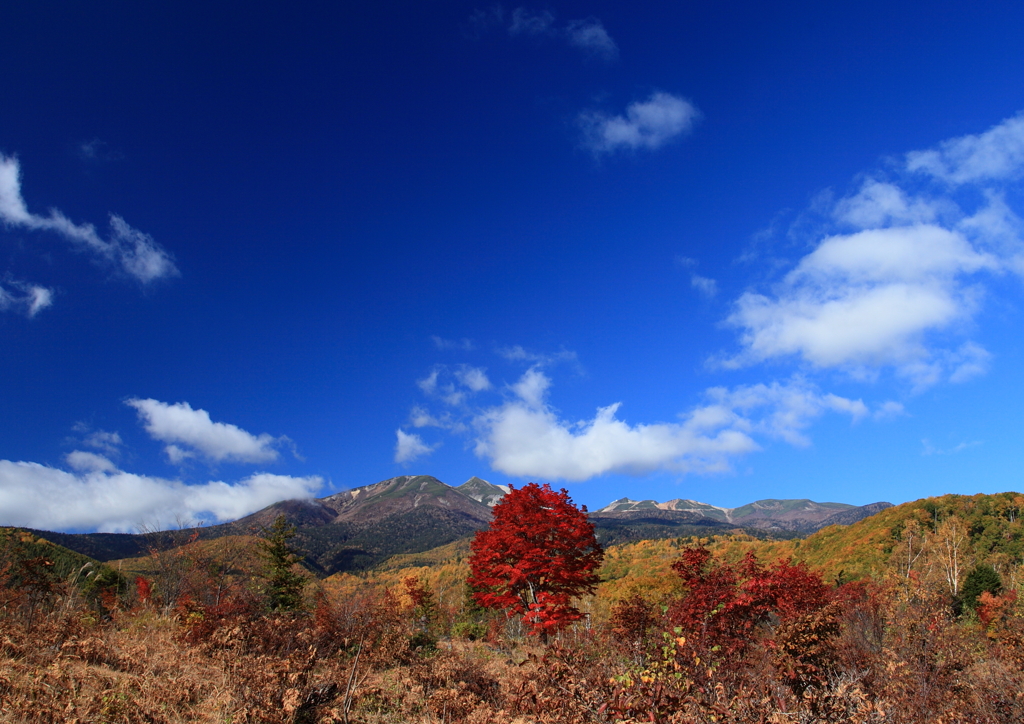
<point x="352" y="530"/>
<point x="788" y="516"/>
<point x="20" y="544"/>
<point x="482" y="491"/>
<point x="853" y="515"/>
<point x="360" y="528"/>
<point x="620" y="526"/>
<point x="99" y="546"/>
<point x="996" y="534"/>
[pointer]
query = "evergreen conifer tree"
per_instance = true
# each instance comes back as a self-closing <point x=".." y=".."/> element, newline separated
<point x="982" y="577"/>
<point x="283" y="586"/>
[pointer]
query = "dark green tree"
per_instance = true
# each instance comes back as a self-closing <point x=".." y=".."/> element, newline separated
<point x="283" y="586"/>
<point x="982" y="577"/>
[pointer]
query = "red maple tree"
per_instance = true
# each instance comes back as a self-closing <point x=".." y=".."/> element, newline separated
<point x="726" y="604"/>
<point x="538" y="554"/>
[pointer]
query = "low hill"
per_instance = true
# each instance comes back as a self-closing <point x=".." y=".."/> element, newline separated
<point x="996" y="533"/>
<point x="19" y="544"/>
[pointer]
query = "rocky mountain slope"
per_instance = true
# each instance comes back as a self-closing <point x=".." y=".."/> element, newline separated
<point x="360" y="528"/>
<point x="800" y="516"/>
<point x="352" y="530"/>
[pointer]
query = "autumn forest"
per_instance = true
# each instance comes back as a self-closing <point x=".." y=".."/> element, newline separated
<point x="910" y="615"/>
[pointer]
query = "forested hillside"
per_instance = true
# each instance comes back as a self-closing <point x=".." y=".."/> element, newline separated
<point x="909" y="616"/>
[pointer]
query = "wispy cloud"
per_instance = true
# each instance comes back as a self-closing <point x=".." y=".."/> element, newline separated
<point x="518" y="353"/>
<point x="132" y="251"/>
<point x="527" y="22"/>
<point x="26" y="298"/>
<point x="100" y="497"/>
<point x="453" y="387"/>
<point x="705" y="285"/>
<point x="645" y="125"/>
<point x="525" y="437"/>
<point x="590" y="36"/>
<point x="108" y="442"/>
<point x="462" y="345"/>
<point x="191" y="433"/>
<point x="928" y="449"/>
<point x="889" y="410"/>
<point x="97" y="150"/>
<point x="585" y="34"/>
<point x="899" y="265"/>
<point x="88" y="462"/>
<point x="410" y="446"/>
<point x="996" y="154"/>
<point x="473" y="378"/>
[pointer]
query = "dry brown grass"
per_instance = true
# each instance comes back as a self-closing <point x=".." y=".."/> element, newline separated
<point x="881" y="655"/>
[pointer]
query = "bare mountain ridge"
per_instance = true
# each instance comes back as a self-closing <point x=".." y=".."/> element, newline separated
<point x="797" y="515"/>
<point x="387" y="498"/>
<point x="360" y="528"/>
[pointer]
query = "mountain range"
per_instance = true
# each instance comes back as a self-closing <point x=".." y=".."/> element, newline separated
<point x="360" y="528"/>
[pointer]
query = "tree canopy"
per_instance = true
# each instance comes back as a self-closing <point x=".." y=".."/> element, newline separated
<point x="283" y="585"/>
<point x="538" y="554"/>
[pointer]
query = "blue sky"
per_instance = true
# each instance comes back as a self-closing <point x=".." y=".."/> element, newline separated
<point x="721" y="251"/>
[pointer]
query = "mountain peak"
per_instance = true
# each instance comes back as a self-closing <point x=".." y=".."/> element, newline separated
<point x="482" y="491"/>
<point x="796" y="514"/>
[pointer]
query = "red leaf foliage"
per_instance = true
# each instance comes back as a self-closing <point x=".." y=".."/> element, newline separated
<point x="725" y="604"/>
<point x="538" y="554"/>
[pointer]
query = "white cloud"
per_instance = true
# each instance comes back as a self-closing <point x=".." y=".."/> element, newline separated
<point x="28" y="298"/>
<point x="878" y="204"/>
<point x="894" y="291"/>
<point x="525" y="437"/>
<point x="421" y="417"/>
<point x="647" y="124"/>
<point x="180" y="425"/>
<point x="468" y="380"/>
<point x="996" y="154"/>
<point x="865" y="300"/>
<point x="589" y="35"/>
<point x="475" y="378"/>
<point x="783" y="410"/>
<point x="429" y="383"/>
<point x="432" y="386"/>
<point x="39" y="496"/>
<point x="409" y="447"/>
<point x="532" y="387"/>
<point x="130" y="249"/>
<point x="89" y="462"/>
<point x="109" y="442"/>
<point x="997" y="229"/>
